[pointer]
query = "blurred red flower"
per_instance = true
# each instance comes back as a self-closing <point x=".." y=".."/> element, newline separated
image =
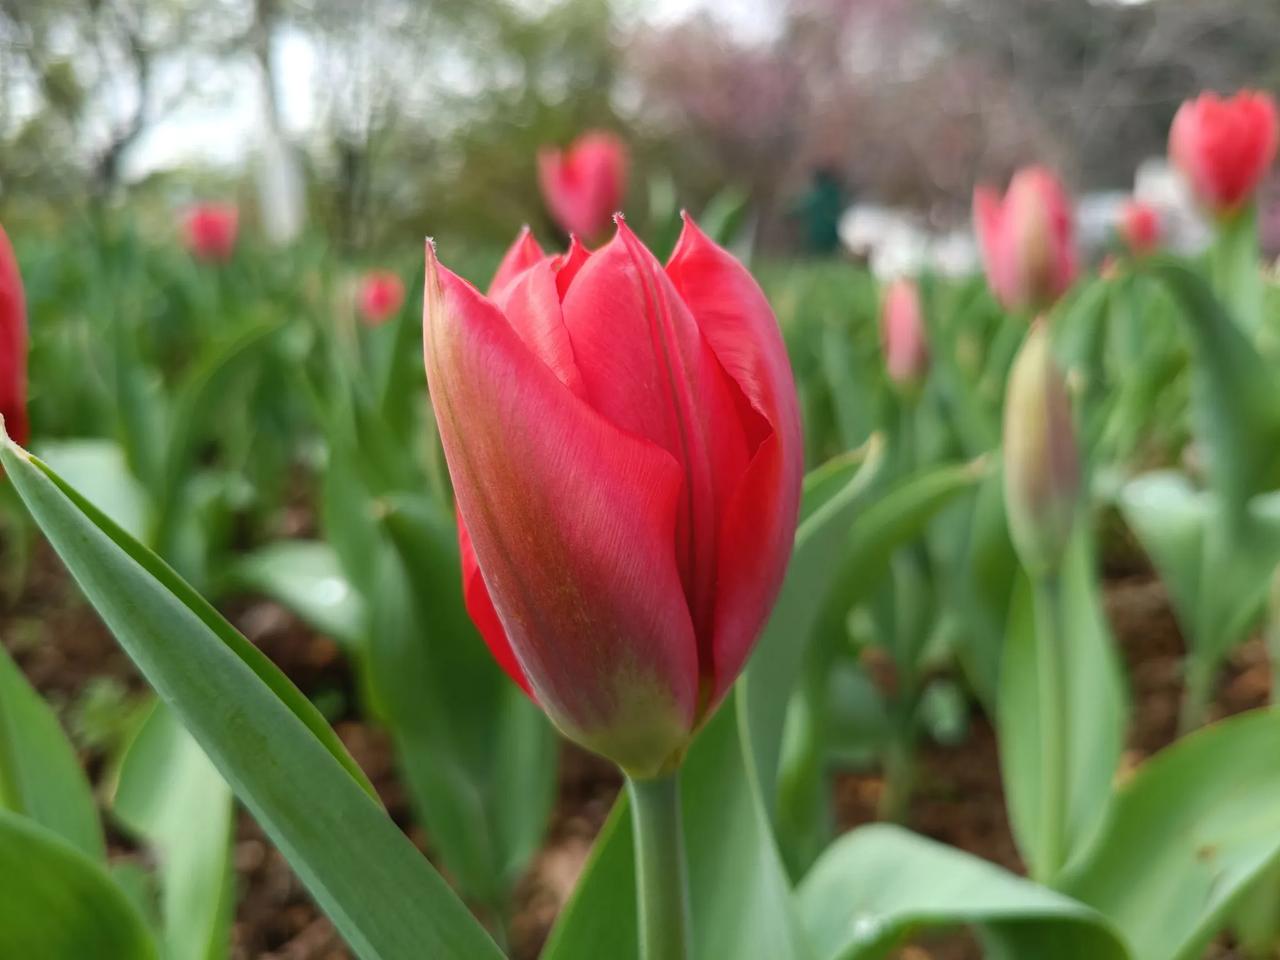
<point x="1224" y="147"/>
<point x="1140" y="227"/>
<point x="380" y="296"/>
<point x="210" y="229"/>
<point x="902" y="335"/>
<point x="583" y="184"/>
<point x="1027" y="239"/>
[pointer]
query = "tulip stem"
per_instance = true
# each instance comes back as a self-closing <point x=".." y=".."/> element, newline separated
<point x="1053" y="730"/>
<point x="662" y="877"/>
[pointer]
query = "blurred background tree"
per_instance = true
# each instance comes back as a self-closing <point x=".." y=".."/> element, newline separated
<point x="425" y="117"/>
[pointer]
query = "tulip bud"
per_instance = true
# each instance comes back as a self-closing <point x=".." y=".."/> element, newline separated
<point x="1140" y="227"/>
<point x="1027" y="240"/>
<point x="902" y="335"/>
<point x="13" y="344"/>
<point x="583" y="184"/>
<point x="1041" y="463"/>
<point x="625" y="448"/>
<point x="380" y="296"/>
<point x="1224" y="147"/>
<point x="210" y="229"/>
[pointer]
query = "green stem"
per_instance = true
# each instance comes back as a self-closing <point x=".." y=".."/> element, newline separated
<point x="899" y="778"/>
<point x="1052" y="681"/>
<point x="1201" y="671"/>
<point x="662" y="878"/>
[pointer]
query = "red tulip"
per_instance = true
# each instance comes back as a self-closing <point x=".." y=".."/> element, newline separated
<point x="380" y="296"/>
<point x="1140" y="227"/>
<point x="625" y="448"/>
<point x="210" y="230"/>
<point x="13" y="344"/>
<point x="583" y="184"/>
<point x="1027" y="239"/>
<point x="902" y="335"/>
<point x="1224" y="147"/>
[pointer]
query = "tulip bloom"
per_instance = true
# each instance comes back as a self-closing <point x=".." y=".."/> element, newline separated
<point x="1224" y="147"/>
<point x="1027" y="240"/>
<point x="1140" y="227"/>
<point x="380" y="296"/>
<point x="13" y="344"/>
<point x="583" y="184"/>
<point x="210" y="229"/>
<point x="625" y="447"/>
<point x="902" y="336"/>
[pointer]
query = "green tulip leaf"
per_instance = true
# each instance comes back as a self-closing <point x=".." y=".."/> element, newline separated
<point x="771" y="674"/>
<point x="40" y="774"/>
<point x="878" y="885"/>
<point x="57" y="904"/>
<point x="1238" y="417"/>
<point x="98" y="468"/>
<point x="1187" y="835"/>
<point x="170" y="796"/>
<point x="306" y="577"/>
<point x="1168" y="517"/>
<point x="1096" y="702"/>
<point x="265" y="740"/>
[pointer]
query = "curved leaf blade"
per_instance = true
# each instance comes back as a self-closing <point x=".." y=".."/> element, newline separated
<point x="57" y="904"/>
<point x="169" y="794"/>
<point x="383" y="896"/>
<point x="878" y="884"/>
<point x="1186" y="835"/>
<point x="40" y="775"/>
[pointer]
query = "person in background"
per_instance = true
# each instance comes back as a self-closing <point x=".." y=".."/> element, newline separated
<point x="818" y="209"/>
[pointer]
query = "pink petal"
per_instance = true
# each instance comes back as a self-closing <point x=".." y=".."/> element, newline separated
<point x="759" y="518"/>
<point x="647" y="369"/>
<point x="520" y="256"/>
<point x="480" y="607"/>
<point x="531" y="304"/>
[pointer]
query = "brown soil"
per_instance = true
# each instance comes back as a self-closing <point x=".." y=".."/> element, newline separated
<point x="63" y="649"/>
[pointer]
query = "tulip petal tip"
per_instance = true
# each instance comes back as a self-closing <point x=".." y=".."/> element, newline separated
<point x="11" y="443"/>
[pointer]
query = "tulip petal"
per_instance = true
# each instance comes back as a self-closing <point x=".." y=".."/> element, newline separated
<point x="647" y="369"/>
<point x="531" y="304"/>
<point x="520" y="256"/>
<point x="13" y="344"/>
<point x="988" y="209"/>
<point x="572" y="522"/>
<point x="481" y="610"/>
<point x="758" y="523"/>
<point x="569" y="263"/>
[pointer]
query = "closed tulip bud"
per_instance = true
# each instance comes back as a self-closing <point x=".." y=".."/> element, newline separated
<point x="1027" y="240"/>
<point x="210" y="229"/>
<point x="902" y="335"/>
<point x="13" y="344"/>
<point x="1140" y="227"/>
<point x="1041" y="463"/>
<point x="1224" y="147"/>
<point x="625" y="448"/>
<point x="380" y="296"/>
<point x="583" y="184"/>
